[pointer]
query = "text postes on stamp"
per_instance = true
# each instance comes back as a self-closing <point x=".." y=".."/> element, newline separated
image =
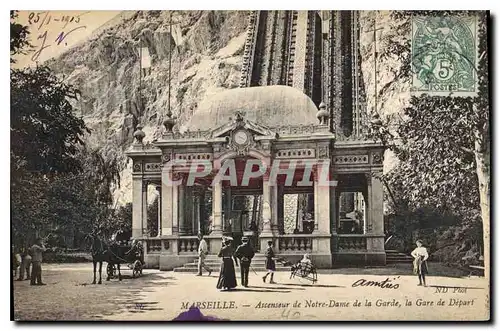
<point x="444" y="55"/>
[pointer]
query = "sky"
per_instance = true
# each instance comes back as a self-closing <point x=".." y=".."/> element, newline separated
<point x="53" y="32"/>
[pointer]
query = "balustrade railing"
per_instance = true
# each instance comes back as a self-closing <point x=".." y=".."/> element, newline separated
<point x="351" y="242"/>
<point x="153" y="246"/>
<point x="295" y="243"/>
<point x="187" y="244"/>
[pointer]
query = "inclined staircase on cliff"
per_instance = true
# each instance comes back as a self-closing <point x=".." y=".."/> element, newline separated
<point x="213" y="262"/>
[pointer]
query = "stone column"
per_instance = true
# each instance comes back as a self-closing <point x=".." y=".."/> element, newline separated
<point x="375" y="227"/>
<point x="199" y="209"/>
<point x="274" y="209"/>
<point x="203" y="214"/>
<point x="181" y="197"/>
<point x="316" y="215"/>
<point x="337" y="211"/>
<point x="364" y="218"/>
<point x="333" y="208"/>
<point x="196" y="213"/>
<point x="369" y="204"/>
<point x="266" y="205"/>
<point x="377" y="205"/>
<point x="227" y="207"/>
<point x="281" y="208"/>
<point x="321" y="204"/>
<point x="188" y="210"/>
<point x="167" y="201"/>
<point x="137" y="207"/>
<point x="144" y="218"/>
<point x="175" y="210"/>
<point x="267" y="215"/>
<point x="158" y="188"/>
<point x="217" y="208"/>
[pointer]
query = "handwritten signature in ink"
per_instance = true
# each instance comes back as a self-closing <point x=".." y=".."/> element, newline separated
<point x="44" y="18"/>
<point x="387" y="283"/>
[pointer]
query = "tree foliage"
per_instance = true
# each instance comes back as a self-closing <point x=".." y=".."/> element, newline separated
<point x="18" y="37"/>
<point x="45" y="133"/>
<point x="60" y="188"/>
<point x="443" y="143"/>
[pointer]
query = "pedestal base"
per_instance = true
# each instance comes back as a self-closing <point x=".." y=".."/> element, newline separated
<point x="214" y="242"/>
<point x="169" y="262"/>
<point x="264" y="238"/>
<point x="359" y="259"/>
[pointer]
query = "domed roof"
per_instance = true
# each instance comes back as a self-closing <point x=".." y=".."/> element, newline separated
<point x="266" y="105"/>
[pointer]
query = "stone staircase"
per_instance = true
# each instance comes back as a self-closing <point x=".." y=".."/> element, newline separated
<point x="212" y="261"/>
<point x="393" y="257"/>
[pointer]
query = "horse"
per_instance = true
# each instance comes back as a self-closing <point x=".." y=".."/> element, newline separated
<point x="99" y="251"/>
<point x="115" y="253"/>
<point x="115" y="257"/>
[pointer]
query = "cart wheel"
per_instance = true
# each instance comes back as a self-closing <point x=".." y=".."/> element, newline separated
<point x="110" y="270"/>
<point x="315" y="277"/>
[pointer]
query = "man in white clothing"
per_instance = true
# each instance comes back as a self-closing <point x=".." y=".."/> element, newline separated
<point x="202" y="252"/>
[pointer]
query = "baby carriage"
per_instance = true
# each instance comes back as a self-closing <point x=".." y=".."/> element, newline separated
<point x="304" y="270"/>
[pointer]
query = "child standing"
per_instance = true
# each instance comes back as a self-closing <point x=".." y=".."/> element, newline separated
<point x="270" y="265"/>
<point x="420" y="263"/>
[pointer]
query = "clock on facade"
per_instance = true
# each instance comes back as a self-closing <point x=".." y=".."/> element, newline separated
<point x="240" y="137"/>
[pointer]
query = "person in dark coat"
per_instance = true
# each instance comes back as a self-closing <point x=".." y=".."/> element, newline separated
<point x="25" y="265"/>
<point x="227" y="277"/>
<point x="270" y="264"/>
<point x="36" y="260"/>
<point x="245" y="253"/>
<point x="16" y="260"/>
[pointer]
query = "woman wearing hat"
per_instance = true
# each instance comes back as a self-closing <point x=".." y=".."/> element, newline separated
<point x="420" y="263"/>
<point x="227" y="277"/>
<point x="270" y="265"/>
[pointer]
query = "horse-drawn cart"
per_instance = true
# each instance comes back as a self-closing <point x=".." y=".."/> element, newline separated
<point x="136" y="268"/>
<point x="132" y="256"/>
<point x="116" y="252"/>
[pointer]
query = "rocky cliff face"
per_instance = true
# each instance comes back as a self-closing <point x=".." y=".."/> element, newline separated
<point x="207" y="48"/>
<point x="393" y="91"/>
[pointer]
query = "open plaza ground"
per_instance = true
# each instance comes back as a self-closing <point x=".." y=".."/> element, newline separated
<point x="159" y="295"/>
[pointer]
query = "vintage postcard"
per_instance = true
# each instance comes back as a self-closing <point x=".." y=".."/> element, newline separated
<point x="250" y="165"/>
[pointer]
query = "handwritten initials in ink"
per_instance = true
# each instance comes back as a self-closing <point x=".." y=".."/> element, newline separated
<point x="42" y="19"/>
<point x="36" y="55"/>
<point x="60" y="38"/>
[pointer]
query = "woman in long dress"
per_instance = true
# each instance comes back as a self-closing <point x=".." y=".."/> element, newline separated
<point x="420" y="263"/>
<point x="227" y="277"/>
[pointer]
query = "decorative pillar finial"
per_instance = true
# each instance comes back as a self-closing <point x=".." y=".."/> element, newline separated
<point x="376" y="123"/>
<point x="323" y="115"/>
<point x="139" y="134"/>
<point x="169" y="123"/>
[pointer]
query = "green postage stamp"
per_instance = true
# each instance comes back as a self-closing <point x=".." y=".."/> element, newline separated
<point x="444" y="55"/>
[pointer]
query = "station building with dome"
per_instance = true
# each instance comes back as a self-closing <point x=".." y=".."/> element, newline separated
<point x="300" y="100"/>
